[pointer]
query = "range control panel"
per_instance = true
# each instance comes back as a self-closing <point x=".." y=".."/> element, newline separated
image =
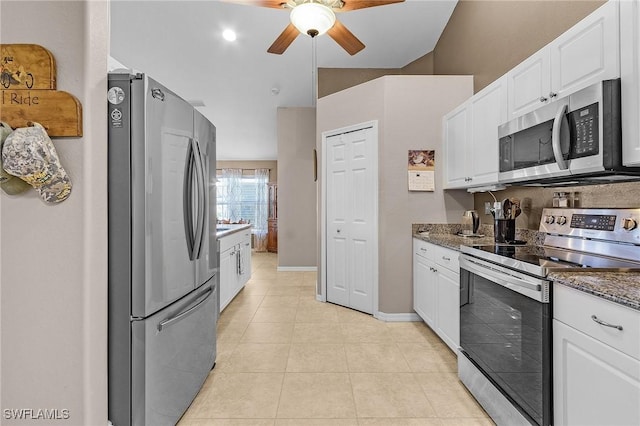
<point x="620" y="225"/>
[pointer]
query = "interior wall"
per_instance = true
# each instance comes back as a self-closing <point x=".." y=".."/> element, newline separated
<point x="409" y="111"/>
<point x="487" y="38"/>
<point x="53" y="264"/>
<point x="272" y="165"/>
<point x="297" y="213"/>
<point x="332" y="80"/>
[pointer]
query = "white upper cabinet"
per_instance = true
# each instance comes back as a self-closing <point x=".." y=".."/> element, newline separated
<point x="471" y="138"/>
<point x="529" y="84"/>
<point x="585" y="54"/>
<point x="630" y="76"/>
<point x="455" y="127"/>
<point x="488" y="111"/>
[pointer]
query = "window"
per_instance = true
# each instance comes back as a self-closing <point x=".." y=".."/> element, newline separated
<point x="237" y="196"/>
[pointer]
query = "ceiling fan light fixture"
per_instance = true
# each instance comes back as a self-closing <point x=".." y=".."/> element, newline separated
<point x="313" y="19"/>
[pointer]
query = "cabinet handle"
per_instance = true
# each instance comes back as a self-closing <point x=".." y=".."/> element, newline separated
<point x="552" y="95"/>
<point x="423" y="249"/>
<point x="543" y="99"/>
<point x="448" y="259"/>
<point x="606" y="324"/>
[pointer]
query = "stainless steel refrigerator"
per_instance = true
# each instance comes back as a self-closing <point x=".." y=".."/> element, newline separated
<point x="163" y="253"/>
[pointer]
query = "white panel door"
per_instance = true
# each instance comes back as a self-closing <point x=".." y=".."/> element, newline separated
<point x="587" y="53"/>
<point x="488" y="109"/>
<point x="456" y="147"/>
<point x="351" y="212"/>
<point x="528" y="84"/>
<point x="594" y="384"/>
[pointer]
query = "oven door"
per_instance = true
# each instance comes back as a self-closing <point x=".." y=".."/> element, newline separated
<point x="505" y="332"/>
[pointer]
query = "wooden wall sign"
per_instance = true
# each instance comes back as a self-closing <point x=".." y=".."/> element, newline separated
<point x="28" y="85"/>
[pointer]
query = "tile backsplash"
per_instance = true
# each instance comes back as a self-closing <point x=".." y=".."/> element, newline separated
<point x="533" y="200"/>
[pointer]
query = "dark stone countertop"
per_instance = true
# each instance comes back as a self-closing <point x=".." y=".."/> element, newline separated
<point x="619" y="287"/>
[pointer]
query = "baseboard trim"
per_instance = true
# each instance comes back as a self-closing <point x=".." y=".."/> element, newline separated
<point x="406" y="317"/>
<point x="297" y="268"/>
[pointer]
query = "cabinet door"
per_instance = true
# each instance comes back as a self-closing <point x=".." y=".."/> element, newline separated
<point x="244" y="265"/>
<point x="456" y="146"/>
<point x="528" y="84"/>
<point x="630" y="77"/>
<point x="488" y="110"/>
<point x="448" y="294"/>
<point x="594" y="384"/>
<point x="587" y="53"/>
<point x="227" y="276"/>
<point x="421" y="274"/>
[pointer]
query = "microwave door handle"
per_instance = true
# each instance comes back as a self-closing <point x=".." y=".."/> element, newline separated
<point x="560" y="129"/>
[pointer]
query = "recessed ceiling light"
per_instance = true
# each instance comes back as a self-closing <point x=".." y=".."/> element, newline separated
<point x="229" y="35"/>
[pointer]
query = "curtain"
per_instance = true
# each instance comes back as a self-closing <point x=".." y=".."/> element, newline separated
<point x="232" y="194"/>
<point x="260" y="225"/>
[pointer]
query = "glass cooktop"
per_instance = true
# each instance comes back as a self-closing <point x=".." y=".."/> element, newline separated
<point x="540" y="260"/>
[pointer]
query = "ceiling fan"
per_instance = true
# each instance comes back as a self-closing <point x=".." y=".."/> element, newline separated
<point x="314" y="18"/>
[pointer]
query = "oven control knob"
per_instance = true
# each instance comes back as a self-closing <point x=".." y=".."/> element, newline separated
<point x="561" y="220"/>
<point x="549" y="219"/>
<point x="629" y="224"/>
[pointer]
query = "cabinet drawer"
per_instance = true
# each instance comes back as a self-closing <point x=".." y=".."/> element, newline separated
<point x="447" y="258"/>
<point x="576" y="308"/>
<point x="423" y="249"/>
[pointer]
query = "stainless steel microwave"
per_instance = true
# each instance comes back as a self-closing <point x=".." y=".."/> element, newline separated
<point x="573" y="140"/>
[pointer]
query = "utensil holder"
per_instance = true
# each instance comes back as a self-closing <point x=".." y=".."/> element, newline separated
<point x="504" y="230"/>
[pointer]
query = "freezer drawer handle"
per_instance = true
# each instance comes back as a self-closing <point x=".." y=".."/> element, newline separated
<point x="181" y="315"/>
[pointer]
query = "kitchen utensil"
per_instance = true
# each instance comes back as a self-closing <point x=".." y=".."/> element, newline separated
<point x="506" y="208"/>
<point x="515" y="207"/>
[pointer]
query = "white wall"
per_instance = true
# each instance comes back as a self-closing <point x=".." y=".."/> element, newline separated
<point x="53" y="259"/>
<point x="409" y="111"/>
<point x="297" y="213"/>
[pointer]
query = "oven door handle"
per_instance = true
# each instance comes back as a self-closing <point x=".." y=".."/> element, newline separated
<point x="501" y="276"/>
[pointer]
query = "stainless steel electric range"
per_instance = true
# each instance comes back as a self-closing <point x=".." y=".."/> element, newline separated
<point x="506" y="312"/>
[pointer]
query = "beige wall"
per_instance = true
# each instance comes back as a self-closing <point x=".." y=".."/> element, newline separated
<point x="487" y="38"/>
<point x="53" y="262"/>
<point x="482" y="38"/>
<point x="297" y="213"/>
<point x="272" y="165"/>
<point x="409" y="111"/>
<point x="332" y="80"/>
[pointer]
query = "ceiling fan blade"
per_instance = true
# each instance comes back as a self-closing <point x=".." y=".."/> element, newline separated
<point x="284" y="40"/>
<point x="361" y="4"/>
<point x="345" y="38"/>
<point x="276" y="4"/>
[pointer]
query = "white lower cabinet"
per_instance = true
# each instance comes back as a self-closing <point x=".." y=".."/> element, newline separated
<point x="596" y="367"/>
<point x="235" y="265"/>
<point x="436" y="290"/>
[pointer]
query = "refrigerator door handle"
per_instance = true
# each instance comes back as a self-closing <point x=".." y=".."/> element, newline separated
<point x="200" y="187"/>
<point x="187" y="200"/>
<point x="167" y="322"/>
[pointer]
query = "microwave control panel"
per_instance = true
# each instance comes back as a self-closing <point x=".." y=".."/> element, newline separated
<point x="584" y="131"/>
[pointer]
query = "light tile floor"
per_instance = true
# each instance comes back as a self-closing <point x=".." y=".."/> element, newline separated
<point x="285" y="359"/>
